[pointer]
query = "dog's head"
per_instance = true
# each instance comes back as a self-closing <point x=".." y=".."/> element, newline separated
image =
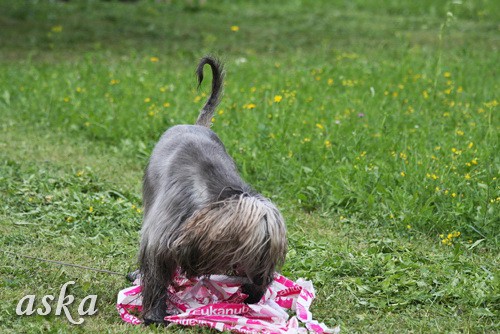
<point x="244" y="235"/>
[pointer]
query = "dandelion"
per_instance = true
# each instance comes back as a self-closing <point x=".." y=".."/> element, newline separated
<point x="249" y="106"/>
<point x="69" y="219"/>
<point x="408" y="226"/>
<point x="471" y="144"/>
<point x="320" y="126"/>
<point x="147" y="100"/>
<point x="235" y="28"/>
<point x="154" y="59"/>
<point x="467" y="176"/>
<point x="114" y="82"/>
<point x="221" y="112"/>
<point x="306" y="140"/>
<point x="447" y="74"/>
<point x="57" y="29"/>
<point x="459" y="133"/>
<point x="166" y="104"/>
<point x="328" y="144"/>
<point x="330" y="82"/>
<point x="491" y="104"/>
<point x="87" y="124"/>
<point x="278" y="98"/>
<point x="79" y="89"/>
<point x="79" y="173"/>
<point x="91" y="209"/>
<point x="66" y="99"/>
<point x="403" y="174"/>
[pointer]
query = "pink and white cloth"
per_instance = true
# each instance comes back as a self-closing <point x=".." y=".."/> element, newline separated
<point x="217" y="302"/>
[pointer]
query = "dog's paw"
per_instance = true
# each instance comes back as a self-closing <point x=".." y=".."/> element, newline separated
<point x="133" y="275"/>
<point x="254" y="292"/>
<point x="155" y="322"/>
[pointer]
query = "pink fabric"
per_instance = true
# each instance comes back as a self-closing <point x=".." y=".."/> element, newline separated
<point x="217" y="302"/>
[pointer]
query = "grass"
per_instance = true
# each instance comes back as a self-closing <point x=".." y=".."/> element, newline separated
<point x="373" y="126"/>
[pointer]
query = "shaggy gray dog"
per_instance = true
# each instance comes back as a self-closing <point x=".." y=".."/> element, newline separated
<point x="200" y="216"/>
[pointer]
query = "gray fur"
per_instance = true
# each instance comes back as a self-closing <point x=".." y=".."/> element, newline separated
<point x="200" y="215"/>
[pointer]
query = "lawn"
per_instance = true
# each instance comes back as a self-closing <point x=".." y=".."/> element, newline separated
<point x="373" y="125"/>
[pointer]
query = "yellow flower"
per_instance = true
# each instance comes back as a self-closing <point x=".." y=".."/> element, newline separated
<point x="79" y="173"/>
<point x="114" y="82"/>
<point x="320" y="126"/>
<point x="306" y="140"/>
<point x="278" y="98"/>
<point x="147" y="100"/>
<point x="154" y="59"/>
<point x="91" y="209"/>
<point x="459" y="132"/>
<point x="403" y="174"/>
<point x="69" y="219"/>
<point x="328" y="144"/>
<point x="330" y="82"/>
<point x="66" y="99"/>
<point x="166" y="104"/>
<point x="447" y="74"/>
<point x="467" y="176"/>
<point x="235" y="28"/>
<point x="249" y="106"/>
<point x="57" y="29"/>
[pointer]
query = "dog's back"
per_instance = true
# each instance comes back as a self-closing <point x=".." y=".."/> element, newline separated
<point x="190" y="162"/>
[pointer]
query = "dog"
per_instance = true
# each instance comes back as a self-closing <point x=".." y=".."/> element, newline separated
<point x="200" y="217"/>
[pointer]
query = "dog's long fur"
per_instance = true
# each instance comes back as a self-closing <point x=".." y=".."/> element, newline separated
<point x="200" y="216"/>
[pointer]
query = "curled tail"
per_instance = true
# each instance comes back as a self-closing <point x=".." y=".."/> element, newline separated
<point x="206" y="114"/>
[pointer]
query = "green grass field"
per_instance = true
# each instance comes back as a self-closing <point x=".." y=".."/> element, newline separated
<point x="373" y="125"/>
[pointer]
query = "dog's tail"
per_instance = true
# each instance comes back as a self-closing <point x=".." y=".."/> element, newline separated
<point x="206" y="114"/>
